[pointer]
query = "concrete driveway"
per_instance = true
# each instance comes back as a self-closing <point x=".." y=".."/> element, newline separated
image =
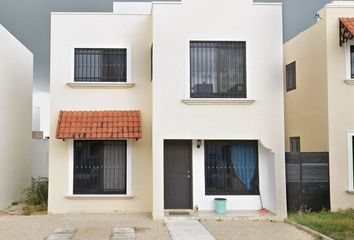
<point x="99" y="227"/>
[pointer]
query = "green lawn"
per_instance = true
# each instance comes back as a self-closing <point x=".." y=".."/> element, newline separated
<point x="337" y="225"/>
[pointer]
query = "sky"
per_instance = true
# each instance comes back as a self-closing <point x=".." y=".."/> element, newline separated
<point x="29" y="22"/>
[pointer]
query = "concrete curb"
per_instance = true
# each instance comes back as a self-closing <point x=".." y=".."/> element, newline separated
<point x="308" y="230"/>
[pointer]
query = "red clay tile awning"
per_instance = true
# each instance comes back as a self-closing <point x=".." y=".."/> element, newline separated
<point x="99" y="125"/>
<point x="346" y="29"/>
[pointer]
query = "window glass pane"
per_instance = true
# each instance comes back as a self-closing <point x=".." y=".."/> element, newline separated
<point x="100" y="167"/>
<point x="100" y="65"/>
<point x="217" y="69"/>
<point x="231" y="167"/>
<point x="295" y="144"/>
<point x="291" y="76"/>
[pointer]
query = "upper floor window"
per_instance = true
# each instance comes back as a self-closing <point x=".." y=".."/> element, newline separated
<point x="290" y="76"/>
<point x="217" y="69"/>
<point x="295" y="144"/>
<point x="352" y="62"/>
<point x="100" y="65"/>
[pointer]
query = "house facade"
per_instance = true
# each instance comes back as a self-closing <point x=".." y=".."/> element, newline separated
<point x="319" y="90"/>
<point x="95" y="37"/>
<point x="16" y="70"/>
<point x="191" y="111"/>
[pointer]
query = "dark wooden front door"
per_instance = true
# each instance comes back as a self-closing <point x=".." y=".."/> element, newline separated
<point x="178" y="174"/>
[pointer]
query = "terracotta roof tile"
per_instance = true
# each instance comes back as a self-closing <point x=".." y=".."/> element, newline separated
<point x="96" y="125"/>
<point x="348" y="22"/>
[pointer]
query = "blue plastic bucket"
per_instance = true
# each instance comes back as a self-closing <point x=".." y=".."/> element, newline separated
<point x="220" y="205"/>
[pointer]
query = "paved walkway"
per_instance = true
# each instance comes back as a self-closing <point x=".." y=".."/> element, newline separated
<point x="99" y="227"/>
<point x="187" y="229"/>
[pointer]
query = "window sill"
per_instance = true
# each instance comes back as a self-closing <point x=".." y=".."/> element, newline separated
<point x="349" y="81"/>
<point x="100" y="85"/>
<point x="350" y="192"/>
<point x="217" y="101"/>
<point x="99" y="196"/>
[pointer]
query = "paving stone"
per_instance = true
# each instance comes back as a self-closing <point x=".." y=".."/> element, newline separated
<point x="123" y="233"/>
<point x="123" y="230"/>
<point x="62" y="234"/>
<point x="122" y="238"/>
<point x="52" y="237"/>
<point x="65" y="230"/>
<point x="187" y="229"/>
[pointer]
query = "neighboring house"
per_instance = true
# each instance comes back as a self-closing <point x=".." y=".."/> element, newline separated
<point x="320" y="93"/>
<point x="16" y="76"/>
<point x="167" y="105"/>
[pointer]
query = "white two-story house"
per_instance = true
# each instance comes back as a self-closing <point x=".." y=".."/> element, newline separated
<point x="167" y="105"/>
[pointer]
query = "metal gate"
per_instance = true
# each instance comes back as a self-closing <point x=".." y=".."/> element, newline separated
<point x="307" y="181"/>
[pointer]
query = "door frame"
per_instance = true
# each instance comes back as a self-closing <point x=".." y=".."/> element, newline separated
<point x="191" y="173"/>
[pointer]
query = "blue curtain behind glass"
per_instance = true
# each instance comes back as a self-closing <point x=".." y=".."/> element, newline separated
<point x="244" y="158"/>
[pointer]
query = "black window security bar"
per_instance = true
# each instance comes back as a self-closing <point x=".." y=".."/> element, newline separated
<point x="231" y="167"/>
<point x="290" y="76"/>
<point x="295" y="144"/>
<point x="217" y="69"/>
<point x="100" y="65"/>
<point x="100" y="167"/>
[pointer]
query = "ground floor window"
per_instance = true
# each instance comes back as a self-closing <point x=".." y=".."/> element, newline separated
<point x="100" y="167"/>
<point x="231" y="167"/>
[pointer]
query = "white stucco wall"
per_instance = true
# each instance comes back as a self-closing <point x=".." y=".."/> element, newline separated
<point x="260" y="25"/>
<point x="39" y="163"/>
<point x="16" y="75"/>
<point x="71" y="30"/>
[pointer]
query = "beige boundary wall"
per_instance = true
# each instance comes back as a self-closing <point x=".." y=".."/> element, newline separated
<point x="319" y="110"/>
<point x="16" y="77"/>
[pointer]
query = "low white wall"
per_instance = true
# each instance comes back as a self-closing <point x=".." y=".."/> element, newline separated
<point x="16" y="69"/>
<point x="39" y="163"/>
<point x="251" y="202"/>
